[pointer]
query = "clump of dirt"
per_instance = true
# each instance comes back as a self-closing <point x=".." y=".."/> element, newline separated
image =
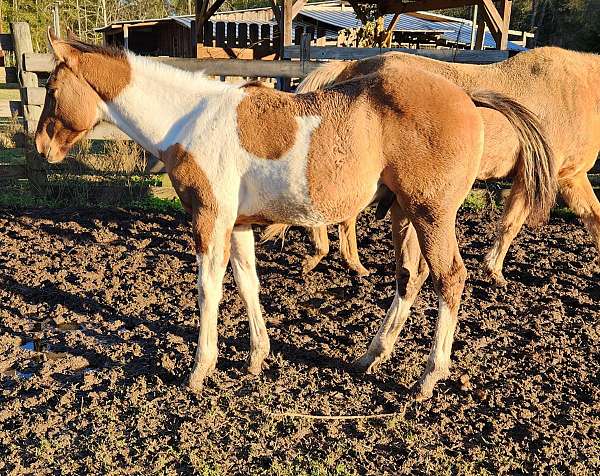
<point x="98" y="328"/>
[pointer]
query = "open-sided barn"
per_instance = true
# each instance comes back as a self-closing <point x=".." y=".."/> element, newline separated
<point x="174" y="36"/>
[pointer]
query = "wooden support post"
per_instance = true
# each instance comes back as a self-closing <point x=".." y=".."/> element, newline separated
<point x="201" y="7"/>
<point x="286" y="27"/>
<point x="505" y="10"/>
<point x="480" y="35"/>
<point x="286" y="37"/>
<point x="126" y="36"/>
<point x="36" y="166"/>
<point x="474" y="27"/>
<point x="193" y="39"/>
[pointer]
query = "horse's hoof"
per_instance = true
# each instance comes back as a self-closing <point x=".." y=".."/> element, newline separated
<point x="199" y="374"/>
<point x="359" y="269"/>
<point x="498" y="280"/>
<point x="256" y="363"/>
<point x="195" y="384"/>
<point x="420" y="394"/>
<point x="367" y="363"/>
<point x="496" y="277"/>
<point x="309" y="264"/>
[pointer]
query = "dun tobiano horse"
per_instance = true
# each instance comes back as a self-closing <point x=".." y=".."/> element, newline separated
<point x="560" y="86"/>
<point x="243" y="155"/>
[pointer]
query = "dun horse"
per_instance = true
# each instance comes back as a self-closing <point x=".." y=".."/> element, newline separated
<point x="560" y="86"/>
<point x="243" y="155"/>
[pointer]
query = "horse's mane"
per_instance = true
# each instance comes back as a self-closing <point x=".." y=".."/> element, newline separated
<point x="112" y="51"/>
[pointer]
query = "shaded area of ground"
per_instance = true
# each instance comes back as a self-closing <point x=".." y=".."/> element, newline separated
<point x="97" y="334"/>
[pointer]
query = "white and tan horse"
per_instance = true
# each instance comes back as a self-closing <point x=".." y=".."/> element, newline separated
<point x="244" y="155"/>
<point x="560" y="86"/>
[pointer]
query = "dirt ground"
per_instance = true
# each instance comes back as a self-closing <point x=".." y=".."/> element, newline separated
<point x="98" y="328"/>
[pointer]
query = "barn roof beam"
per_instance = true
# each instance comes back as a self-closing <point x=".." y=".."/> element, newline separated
<point x="497" y="20"/>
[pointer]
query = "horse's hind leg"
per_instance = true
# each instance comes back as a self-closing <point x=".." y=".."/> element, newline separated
<point x="411" y="273"/>
<point x="580" y="197"/>
<point x="439" y="246"/>
<point x="321" y="242"/>
<point x="515" y="214"/>
<point x="349" y="247"/>
<point x="243" y="263"/>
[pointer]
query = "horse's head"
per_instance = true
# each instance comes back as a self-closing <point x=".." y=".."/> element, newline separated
<point x="71" y="105"/>
<point x="84" y="77"/>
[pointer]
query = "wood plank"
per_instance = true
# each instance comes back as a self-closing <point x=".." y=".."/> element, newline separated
<point x="209" y="34"/>
<point x="245" y="68"/>
<point x="9" y="75"/>
<point x="12" y="171"/>
<point x="493" y="13"/>
<point x="35" y="96"/>
<point x="203" y="52"/>
<point x="31" y="126"/>
<point x="32" y="112"/>
<point x="253" y="33"/>
<point x="394" y="6"/>
<point x="163" y="192"/>
<point x="298" y="5"/>
<point x="455" y="56"/>
<point x="43" y="62"/>
<point x="243" y="35"/>
<point x="9" y="108"/>
<point x="231" y="35"/>
<point x="6" y="42"/>
<point x="220" y="34"/>
<point x="106" y="131"/>
<point x="23" y="45"/>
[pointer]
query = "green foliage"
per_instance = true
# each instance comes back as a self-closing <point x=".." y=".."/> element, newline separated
<point x="83" y="16"/>
<point x="573" y="24"/>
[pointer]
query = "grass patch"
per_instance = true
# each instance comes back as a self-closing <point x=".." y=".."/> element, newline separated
<point x="475" y="201"/>
<point x="161" y="205"/>
<point x="12" y="156"/>
<point x="563" y="212"/>
<point x="19" y="195"/>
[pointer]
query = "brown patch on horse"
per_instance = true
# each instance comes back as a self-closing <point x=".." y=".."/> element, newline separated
<point x="254" y="84"/>
<point x="70" y="110"/>
<point x="195" y="192"/>
<point x="108" y="75"/>
<point x="266" y="123"/>
<point x="345" y="153"/>
<point x="106" y="69"/>
<point x="256" y="219"/>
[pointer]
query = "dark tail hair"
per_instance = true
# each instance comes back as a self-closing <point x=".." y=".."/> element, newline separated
<point x="537" y="165"/>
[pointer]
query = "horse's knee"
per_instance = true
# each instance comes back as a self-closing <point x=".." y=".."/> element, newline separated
<point x="452" y="283"/>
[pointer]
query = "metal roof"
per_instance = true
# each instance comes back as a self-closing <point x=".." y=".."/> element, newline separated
<point x="347" y="19"/>
<point x="452" y="31"/>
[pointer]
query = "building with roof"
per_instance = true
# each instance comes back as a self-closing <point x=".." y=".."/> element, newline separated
<point x="242" y="29"/>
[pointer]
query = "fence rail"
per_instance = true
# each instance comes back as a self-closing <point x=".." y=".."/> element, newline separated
<point x="310" y="52"/>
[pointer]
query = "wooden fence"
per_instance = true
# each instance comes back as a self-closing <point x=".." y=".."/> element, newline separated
<point x="30" y="64"/>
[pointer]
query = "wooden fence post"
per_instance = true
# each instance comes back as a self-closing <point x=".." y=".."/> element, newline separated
<point x="36" y="166"/>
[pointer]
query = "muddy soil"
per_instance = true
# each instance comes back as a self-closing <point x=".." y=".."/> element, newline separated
<point x="98" y="329"/>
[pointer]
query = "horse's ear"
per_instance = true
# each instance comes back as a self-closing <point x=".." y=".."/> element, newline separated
<point x="63" y="51"/>
<point x="71" y="35"/>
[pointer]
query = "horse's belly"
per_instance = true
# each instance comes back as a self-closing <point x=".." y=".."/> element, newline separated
<point x="284" y="197"/>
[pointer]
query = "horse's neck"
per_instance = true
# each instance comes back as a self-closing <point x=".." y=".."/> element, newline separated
<point x="158" y="102"/>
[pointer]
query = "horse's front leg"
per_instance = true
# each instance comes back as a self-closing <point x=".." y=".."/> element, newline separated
<point x="243" y="263"/>
<point x="211" y="237"/>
